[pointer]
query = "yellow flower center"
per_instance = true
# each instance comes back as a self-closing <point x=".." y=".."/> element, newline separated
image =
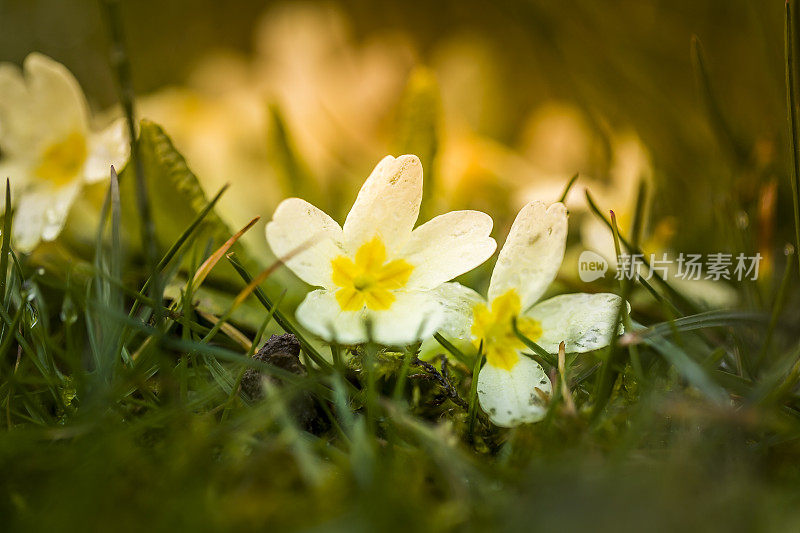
<point x="370" y="279"/>
<point x="61" y="161"/>
<point x="494" y="326"/>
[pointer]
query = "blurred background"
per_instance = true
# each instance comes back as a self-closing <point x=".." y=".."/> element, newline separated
<point x="505" y="100"/>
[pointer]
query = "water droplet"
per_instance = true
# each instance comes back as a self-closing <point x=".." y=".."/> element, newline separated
<point x="742" y="220"/>
<point x="33" y="316"/>
<point x="69" y="314"/>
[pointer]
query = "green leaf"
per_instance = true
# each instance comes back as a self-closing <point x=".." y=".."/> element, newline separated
<point x="175" y="193"/>
<point x="176" y="197"/>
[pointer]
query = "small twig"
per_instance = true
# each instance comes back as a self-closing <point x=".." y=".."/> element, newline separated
<point x="442" y="379"/>
<point x="569" y="404"/>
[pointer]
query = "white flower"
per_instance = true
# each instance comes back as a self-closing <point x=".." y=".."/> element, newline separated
<point x="378" y="270"/>
<point x="47" y="148"/>
<point x="512" y="388"/>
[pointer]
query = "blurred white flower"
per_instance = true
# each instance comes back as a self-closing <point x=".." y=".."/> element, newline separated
<point x="48" y="149"/>
<point x="558" y="139"/>
<point x="526" y="266"/>
<point x="556" y="143"/>
<point x="377" y="271"/>
<point x="336" y="94"/>
<point x="223" y="137"/>
<point x="630" y="165"/>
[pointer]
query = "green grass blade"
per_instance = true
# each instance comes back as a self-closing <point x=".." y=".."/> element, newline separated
<point x="608" y="371"/>
<point x="568" y="187"/>
<point x="712" y="105"/>
<point x="690" y="369"/>
<point x="280" y="318"/>
<point x="182" y="239"/>
<point x="402" y="375"/>
<point x="685" y="304"/>
<point x="473" y="393"/>
<point x="6" y="246"/>
<point x="121" y="62"/>
<point x="708" y="319"/>
<point x="623" y="288"/>
<point x="10" y="331"/>
<point x="108" y="266"/>
<point x="450" y="347"/>
<point x="777" y="309"/>
<point x="665" y="302"/>
<point x="790" y="43"/>
<point x="285" y="160"/>
<point x="544" y="358"/>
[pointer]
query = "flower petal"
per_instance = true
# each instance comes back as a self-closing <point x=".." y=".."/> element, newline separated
<point x="411" y="317"/>
<point x="106" y="148"/>
<point x="457" y="303"/>
<point x="297" y="222"/>
<point x="41" y="215"/>
<point x="509" y="397"/>
<point x="597" y="237"/>
<point x="58" y="100"/>
<point x="15" y="125"/>
<point x="447" y="246"/>
<point x="387" y="204"/>
<point x="583" y="321"/>
<point x="12" y="85"/>
<point x="16" y="171"/>
<point x="321" y="314"/>
<point x="532" y="253"/>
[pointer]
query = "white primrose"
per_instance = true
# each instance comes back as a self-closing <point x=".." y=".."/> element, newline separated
<point x="47" y="148"/>
<point x="513" y="388"/>
<point x="377" y="272"/>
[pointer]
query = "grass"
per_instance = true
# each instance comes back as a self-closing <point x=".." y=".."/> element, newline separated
<point x="114" y="418"/>
<point x="124" y="409"/>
